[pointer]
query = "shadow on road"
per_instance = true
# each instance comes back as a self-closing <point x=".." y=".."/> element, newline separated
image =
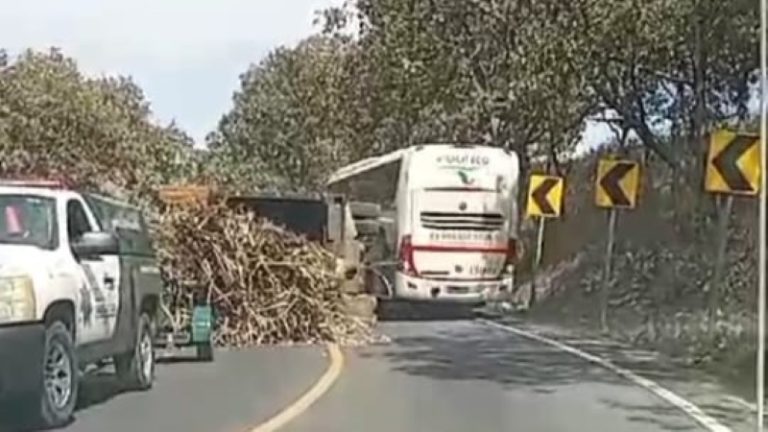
<point x="657" y="415"/>
<point x="95" y="388"/>
<point x="402" y="310"/>
<point x="465" y="353"/>
<point x="98" y="388"/>
<point x="471" y="355"/>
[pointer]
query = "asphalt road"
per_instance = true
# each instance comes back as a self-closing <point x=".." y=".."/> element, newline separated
<point x="235" y="393"/>
<point x="465" y="376"/>
<point x="444" y="376"/>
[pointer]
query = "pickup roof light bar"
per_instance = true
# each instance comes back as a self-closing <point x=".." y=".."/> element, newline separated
<point x="47" y="184"/>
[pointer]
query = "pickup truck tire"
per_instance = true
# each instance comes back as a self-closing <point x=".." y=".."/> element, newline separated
<point x="136" y="369"/>
<point x="57" y="398"/>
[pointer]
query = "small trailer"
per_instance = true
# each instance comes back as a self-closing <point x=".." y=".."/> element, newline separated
<point x="194" y="326"/>
<point x="195" y="331"/>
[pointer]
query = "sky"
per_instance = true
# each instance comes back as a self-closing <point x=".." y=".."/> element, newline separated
<point x="186" y="55"/>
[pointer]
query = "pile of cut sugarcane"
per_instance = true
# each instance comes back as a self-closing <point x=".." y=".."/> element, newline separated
<point x="267" y="285"/>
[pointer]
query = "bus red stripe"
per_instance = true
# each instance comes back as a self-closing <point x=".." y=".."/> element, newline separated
<point x="459" y="189"/>
<point x="473" y="280"/>
<point x="435" y="248"/>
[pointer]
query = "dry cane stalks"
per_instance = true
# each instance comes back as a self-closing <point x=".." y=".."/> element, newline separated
<point x="266" y="284"/>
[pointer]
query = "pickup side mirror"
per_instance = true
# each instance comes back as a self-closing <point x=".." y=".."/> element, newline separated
<point x="96" y="243"/>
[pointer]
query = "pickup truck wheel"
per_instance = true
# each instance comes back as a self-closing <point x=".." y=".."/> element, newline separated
<point x="136" y="369"/>
<point x="57" y="397"/>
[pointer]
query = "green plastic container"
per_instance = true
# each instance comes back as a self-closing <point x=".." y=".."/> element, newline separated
<point x="202" y="324"/>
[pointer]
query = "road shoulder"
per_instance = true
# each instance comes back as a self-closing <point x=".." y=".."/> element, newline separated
<point x="699" y="388"/>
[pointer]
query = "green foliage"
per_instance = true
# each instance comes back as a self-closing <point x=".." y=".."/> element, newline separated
<point x="660" y="64"/>
<point x="468" y="71"/>
<point x="287" y="126"/>
<point x="506" y="72"/>
<point x="516" y="73"/>
<point x="96" y="132"/>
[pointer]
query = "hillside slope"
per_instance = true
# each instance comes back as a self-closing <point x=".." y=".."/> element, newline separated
<point x="663" y="266"/>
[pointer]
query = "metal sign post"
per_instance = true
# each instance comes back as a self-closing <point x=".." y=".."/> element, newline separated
<point x="616" y="187"/>
<point x="537" y="260"/>
<point x="605" y="292"/>
<point x="724" y="216"/>
<point x="736" y="166"/>
<point x="545" y="200"/>
<point x="762" y="228"/>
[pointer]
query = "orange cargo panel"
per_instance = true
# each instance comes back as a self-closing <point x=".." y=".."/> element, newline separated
<point x="184" y="194"/>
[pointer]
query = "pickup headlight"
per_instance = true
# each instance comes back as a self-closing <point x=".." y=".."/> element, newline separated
<point x="17" y="299"/>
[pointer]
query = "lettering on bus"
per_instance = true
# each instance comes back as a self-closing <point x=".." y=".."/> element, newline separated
<point x="492" y="268"/>
<point x="464" y="160"/>
<point x="461" y="236"/>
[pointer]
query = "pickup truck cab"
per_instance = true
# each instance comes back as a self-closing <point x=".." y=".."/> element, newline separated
<point x="79" y="285"/>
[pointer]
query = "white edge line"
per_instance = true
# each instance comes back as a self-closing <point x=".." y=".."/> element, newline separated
<point x="667" y="395"/>
<point x="742" y="402"/>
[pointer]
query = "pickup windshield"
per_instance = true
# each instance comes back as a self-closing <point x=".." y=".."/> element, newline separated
<point x="28" y="220"/>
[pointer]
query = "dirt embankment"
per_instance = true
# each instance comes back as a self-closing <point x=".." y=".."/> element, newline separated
<point x="663" y="269"/>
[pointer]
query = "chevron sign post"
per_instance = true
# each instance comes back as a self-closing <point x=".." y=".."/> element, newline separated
<point x="733" y="170"/>
<point x="616" y="187"/>
<point x="733" y="163"/>
<point x="545" y="200"/>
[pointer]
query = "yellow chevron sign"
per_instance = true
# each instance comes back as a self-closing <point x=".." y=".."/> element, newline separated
<point x="545" y="196"/>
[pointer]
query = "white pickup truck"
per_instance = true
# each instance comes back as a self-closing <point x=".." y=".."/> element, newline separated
<point x="79" y="285"/>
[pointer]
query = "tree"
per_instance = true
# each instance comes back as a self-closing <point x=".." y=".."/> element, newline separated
<point x="507" y="72"/>
<point x="95" y="132"/>
<point x="287" y="126"/>
<point x="683" y="65"/>
<point x="464" y="71"/>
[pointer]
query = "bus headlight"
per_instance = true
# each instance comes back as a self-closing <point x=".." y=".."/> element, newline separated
<point x="17" y="299"/>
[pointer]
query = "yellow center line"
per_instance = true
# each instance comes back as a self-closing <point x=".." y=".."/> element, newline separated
<point x="299" y="406"/>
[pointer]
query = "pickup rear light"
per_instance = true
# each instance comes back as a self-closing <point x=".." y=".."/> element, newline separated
<point x="405" y="257"/>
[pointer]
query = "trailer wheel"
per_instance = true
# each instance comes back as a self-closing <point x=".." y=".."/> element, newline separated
<point x="205" y="352"/>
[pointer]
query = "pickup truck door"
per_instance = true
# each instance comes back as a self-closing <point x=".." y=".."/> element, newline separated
<point x="99" y="299"/>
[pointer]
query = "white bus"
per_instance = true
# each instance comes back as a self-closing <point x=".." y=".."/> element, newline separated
<point x="455" y="215"/>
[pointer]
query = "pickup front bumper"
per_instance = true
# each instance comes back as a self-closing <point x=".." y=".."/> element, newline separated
<point x="21" y="359"/>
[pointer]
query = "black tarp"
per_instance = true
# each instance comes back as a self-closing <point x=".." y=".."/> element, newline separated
<point x="304" y="216"/>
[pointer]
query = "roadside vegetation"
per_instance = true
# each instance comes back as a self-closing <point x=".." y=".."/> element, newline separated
<point x="385" y="74"/>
